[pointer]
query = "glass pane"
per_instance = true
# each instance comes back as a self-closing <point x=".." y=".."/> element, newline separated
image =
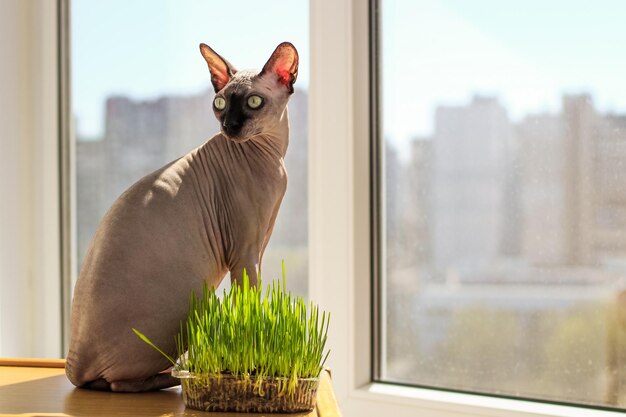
<point x="142" y="97"/>
<point x="504" y="197"/>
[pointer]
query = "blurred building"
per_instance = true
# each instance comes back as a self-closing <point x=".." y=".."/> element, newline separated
<point x="142" y="136"/>
<point x="609" y="190"/>
<point x="471" y="146"/>
<point x="574" y="186"/>
<point x="544" y="179"/>
<point x="418" y="214"/>
<point x="549" y="190"/>
<point x="91" y="193"/>
<point x="393" y="182"/>
<point x="579" y="126"/>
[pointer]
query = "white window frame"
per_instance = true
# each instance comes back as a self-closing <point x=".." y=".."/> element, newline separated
<point x="339" y="245"/>
<point x="30" y="252"/>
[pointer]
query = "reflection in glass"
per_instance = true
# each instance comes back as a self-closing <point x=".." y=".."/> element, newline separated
<point x="504" y="198"/>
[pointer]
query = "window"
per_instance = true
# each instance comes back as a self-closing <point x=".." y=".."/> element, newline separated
<point x="503" y="198"/>
<point x="339" y="189"/>
<point x="142" y="97"/>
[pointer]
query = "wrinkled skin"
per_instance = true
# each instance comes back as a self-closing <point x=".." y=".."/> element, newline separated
<point x="190" y="222"/>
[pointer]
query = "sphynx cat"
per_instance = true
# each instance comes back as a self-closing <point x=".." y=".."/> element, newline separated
<point x="190" y="222"/>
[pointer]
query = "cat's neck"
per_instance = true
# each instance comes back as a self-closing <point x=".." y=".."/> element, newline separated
<point x="269" y="146"/>
<point x="275" y="139"/>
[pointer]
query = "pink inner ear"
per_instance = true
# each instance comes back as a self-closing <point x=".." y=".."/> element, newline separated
<point x="283" y="64"/>
<point x="282" y="68"/>
<point x="220" y="78"/>
<point x="284" y="76"/>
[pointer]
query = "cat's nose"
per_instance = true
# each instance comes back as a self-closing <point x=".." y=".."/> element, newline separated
<point x="230" y="124"/>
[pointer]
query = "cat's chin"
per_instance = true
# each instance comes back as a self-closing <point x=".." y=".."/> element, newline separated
<point x="236" y="139"/>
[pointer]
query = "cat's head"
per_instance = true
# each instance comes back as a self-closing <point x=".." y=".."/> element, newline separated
<point x="250" y="103"/>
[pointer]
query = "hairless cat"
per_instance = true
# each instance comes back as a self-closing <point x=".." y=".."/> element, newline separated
<point x="190" y="222"/>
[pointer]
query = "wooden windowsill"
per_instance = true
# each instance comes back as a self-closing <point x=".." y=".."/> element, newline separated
<point x="38" y="387"/>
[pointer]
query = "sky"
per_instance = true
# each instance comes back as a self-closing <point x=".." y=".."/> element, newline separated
<point x="527" y="53"/>
<point x="147" y="48"/>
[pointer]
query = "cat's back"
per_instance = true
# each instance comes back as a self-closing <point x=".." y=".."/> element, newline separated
<point x="143" y="223"/>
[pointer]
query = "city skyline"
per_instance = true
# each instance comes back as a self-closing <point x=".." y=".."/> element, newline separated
<point x="546" y="189"/>
<point x="514" y="150"/>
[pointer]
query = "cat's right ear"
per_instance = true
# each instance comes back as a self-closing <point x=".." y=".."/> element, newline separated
<point x="221" y="70"/>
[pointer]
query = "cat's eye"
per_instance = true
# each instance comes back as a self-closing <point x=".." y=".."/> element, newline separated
<point x="255" y="102"/>
<point x="219" y="103"/>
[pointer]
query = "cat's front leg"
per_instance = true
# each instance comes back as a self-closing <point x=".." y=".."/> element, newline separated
<point x="250" y="261"/>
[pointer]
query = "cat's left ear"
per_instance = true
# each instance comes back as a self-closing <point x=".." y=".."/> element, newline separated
<point x="284" y="64"/>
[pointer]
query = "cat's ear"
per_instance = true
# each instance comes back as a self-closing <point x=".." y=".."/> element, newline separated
<point x="221" y="70"/>
<point x="283" y="64"/>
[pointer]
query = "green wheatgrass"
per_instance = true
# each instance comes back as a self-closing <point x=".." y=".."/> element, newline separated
<point x="251" y="331"/>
